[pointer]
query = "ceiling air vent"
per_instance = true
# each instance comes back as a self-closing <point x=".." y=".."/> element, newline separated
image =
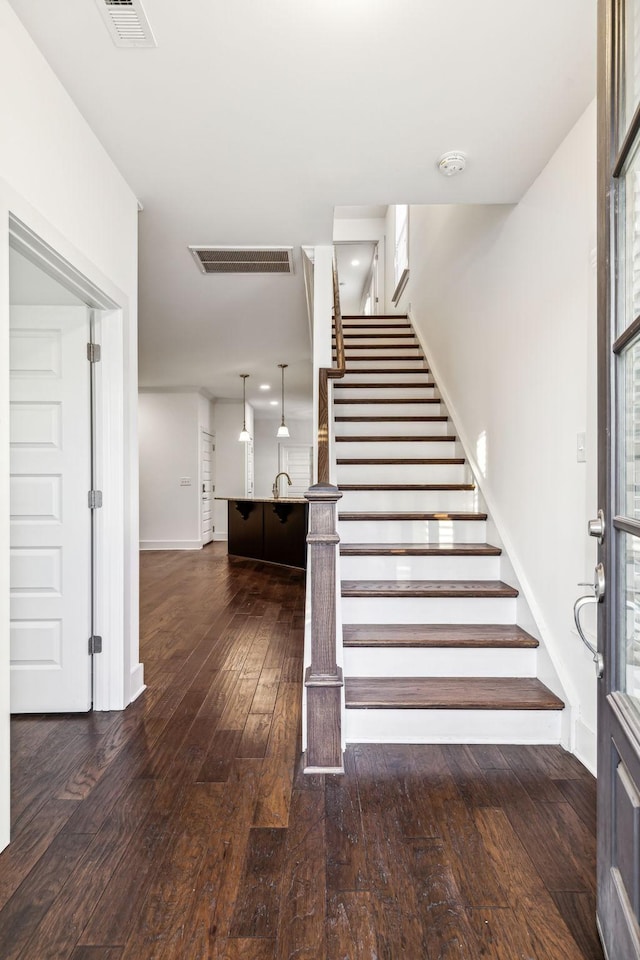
<point x="127" y="23"/>
<point x="243" y="259"/>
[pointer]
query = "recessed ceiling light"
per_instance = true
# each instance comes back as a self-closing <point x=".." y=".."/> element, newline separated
<point x="265" y="386"/>
<point x="355" y="263"/>
<point x="273" y="403"/>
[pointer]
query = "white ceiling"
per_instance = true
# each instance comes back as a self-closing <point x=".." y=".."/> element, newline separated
<point x="253" y="119"/>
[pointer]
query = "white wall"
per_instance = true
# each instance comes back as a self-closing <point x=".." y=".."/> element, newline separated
<point x="504" y="300"/>
<point x="267" y="446"/>
<point x="56" y="178"/>
<point x="169" y="430"/>
<point x="231" y="455"/>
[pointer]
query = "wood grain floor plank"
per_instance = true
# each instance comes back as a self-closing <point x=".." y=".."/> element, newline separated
<point x="32" y="901"/>
<point x="34" y="841"/>
<point x="301" y="926"/>
<point x="255" y="735"/>
<point x="578" y="911"/>
<point x="248" y="949"/>
<point x="96" y="953"/>
<point x="346" y="867"/>
<point x="258" y="902"/>
<point x="218" y="761"/>
<point x="274" y="793"/>
<point x="351" y="926"/>
<point x="63" y="924"/>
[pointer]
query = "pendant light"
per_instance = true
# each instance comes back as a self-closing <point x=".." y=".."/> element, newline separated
<point x="244" y="437"/>
<point x="283" y="430"/>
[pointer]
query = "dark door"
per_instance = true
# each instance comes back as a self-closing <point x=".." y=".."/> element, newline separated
<point x="618" y="574"/>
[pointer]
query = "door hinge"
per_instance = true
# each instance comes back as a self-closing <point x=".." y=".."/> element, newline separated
<point x="94" y="352"/>
<point x="95" y="645"/>
<point x="95" y="499"/>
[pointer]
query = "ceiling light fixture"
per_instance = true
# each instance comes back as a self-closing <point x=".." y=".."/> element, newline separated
<point x="452" y="163"/>
<point x="265" y="386"/>
<point x="245" y="436"/>
<point x="273" y="403"/>
<point x="283" y="430"/>
<point x="355" y="263"/>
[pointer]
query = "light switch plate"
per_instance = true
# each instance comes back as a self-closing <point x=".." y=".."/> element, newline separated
<point x="581" y="448"/>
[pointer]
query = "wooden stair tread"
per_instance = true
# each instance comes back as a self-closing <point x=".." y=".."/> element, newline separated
<point x="392" y="419"/>
<point x="446" y="438"/>
<point x="412" y="370"/>
<point x="450" y="693"/>
<point x="386" y="400"/>
<point x="459" y="589"/>
<point x="436" y="635"/>
<point x="373" y="356"/>
<point x="433" y="461"/>
<point x="346" y="487"/>
<point x="407" y="515"/>
<point x="419" y="550"/>
<point x="398" y="385"/>
<point x="374" y="326"/>
<point x="382" y="336"/>
<point x="382" y="346"/>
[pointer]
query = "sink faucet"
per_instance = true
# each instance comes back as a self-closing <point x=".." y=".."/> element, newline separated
<point x="276" y="488"/>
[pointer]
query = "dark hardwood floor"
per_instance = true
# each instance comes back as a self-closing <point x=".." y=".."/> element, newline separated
<point x="183" y="829"/>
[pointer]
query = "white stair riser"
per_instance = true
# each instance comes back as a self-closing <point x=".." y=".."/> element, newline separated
<point x="346" y="392"/>
<point x="392" y="428"/>
<point x="393" y="351"/>
<point x="452" y="726"/>
<point x="438" y="662"/>
<point x="388" y="410"/>
<point x="428" y="610"/>
<point x="407" y="361"/>
<point x="386" y="338"/>
<point x="403" y="501"/>
<point x="416" y="375"/>
<point x="419" y="568"/>
<point x="399" y="448"/>
<point x="402" y="473"/>
<point x="412" y="531"/>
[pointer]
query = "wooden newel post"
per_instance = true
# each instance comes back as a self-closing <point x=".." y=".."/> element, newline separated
<point x="323" y="679"/>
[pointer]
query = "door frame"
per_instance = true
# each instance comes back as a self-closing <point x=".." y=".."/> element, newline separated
<point x="108" y="453"/>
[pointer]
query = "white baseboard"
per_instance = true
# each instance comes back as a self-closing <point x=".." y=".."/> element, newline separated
<point x="220" y="536"/>
<point x="171" y="544"/>
<point x="136" y="682"/>
<point x="586" y="746"/>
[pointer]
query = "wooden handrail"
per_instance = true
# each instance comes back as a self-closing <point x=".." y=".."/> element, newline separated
<point x="324" y="375"/>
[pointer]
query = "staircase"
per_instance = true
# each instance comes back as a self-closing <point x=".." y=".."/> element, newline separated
<point x="432" y="652"/>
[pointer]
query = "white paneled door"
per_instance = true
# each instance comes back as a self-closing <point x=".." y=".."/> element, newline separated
<point x="295" y="458"/>
<point x="50" y="518"/>
<point x="207" y="454"/>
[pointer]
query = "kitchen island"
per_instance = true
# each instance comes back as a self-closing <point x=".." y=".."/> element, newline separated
<point x="268" y="528"/>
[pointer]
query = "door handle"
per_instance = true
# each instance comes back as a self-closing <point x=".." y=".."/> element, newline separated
<point x="596" y="597"/>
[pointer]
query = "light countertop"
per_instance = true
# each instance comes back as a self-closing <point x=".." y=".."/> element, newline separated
<point x="264" y="499"/>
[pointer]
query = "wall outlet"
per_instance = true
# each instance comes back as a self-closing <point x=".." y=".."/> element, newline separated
<point x="185" y="481"/>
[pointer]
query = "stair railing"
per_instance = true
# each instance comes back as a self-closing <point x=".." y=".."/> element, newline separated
<point x="323" y="678"/>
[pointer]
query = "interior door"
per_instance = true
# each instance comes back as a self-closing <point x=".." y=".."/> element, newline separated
<point x="50" y="549"/>
<point x="295" y="459"/>
<point x="207" y="453"/>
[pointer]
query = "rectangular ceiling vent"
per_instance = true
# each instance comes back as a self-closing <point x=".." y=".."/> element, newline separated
<point x="127" y="23"/>
<point x="243" y="259"/>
